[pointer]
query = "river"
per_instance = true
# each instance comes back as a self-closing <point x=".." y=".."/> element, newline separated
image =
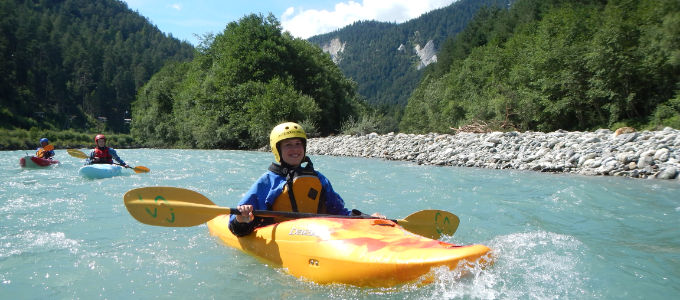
<point x="553" y="235"/>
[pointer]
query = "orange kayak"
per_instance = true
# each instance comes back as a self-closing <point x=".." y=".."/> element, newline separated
<point x="361" y="252"/>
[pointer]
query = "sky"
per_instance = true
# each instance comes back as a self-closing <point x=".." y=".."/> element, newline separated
<point x="189" y="19"/>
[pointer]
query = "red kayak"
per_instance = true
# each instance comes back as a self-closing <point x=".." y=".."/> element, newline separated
<point x="36" y="162"/>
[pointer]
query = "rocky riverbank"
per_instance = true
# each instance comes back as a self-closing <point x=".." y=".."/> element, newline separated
<point x="645" y="154"/>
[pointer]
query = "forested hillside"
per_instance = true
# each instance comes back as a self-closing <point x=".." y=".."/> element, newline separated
<point x="556" y="64"/>
<point x="76" y="64"/>
<point x="386" y="73"/>
<point x="533" y="65"/>
<point x="240" y="85"/>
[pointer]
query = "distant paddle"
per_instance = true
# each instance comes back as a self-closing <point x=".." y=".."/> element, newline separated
<point x="177" y="207"/>
<point x="41" y="151"/>
<point x="76" y="153"/>
<point x="79" y="154"/>
<point x="137" y="169"/>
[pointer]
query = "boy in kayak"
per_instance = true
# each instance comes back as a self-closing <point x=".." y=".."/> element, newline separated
<point x="102" y="154"/>
<point x="44" y="151"/>
<point x="311" y="191"/>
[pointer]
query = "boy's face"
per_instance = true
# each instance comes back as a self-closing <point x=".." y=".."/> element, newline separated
<point x="292" y="151"/>
<point x="101" y="142"/>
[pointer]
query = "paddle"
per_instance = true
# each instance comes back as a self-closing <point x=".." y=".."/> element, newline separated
<point x="137" y="169"/>
<point x="76" y="153"/>
<point x="79" y="154"/>
<point x="41" y="152"/>
<point x="177" y="207"/>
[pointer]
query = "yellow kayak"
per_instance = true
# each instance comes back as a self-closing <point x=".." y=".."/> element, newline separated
<point x="361" y="252"/>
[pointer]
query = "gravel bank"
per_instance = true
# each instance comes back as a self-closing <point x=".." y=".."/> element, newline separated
<point x="645" y="154"/>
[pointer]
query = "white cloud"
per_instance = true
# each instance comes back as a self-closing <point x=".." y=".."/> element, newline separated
<point x="305" y="23"/>
<point x="176" y="6"/>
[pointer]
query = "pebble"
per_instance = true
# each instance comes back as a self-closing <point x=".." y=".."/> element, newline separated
<point x="644" y="154"/>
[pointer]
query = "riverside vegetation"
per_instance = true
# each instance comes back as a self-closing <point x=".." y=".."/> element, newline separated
<point x="19" y="139"/>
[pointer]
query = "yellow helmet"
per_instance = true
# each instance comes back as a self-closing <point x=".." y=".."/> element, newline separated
<point x="285" y="131"/>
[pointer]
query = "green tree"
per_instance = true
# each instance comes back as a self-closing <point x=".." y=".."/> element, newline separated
<point x="547" y="65"/>
<point x="66" y="63"/>
<point x="241" y="83"/>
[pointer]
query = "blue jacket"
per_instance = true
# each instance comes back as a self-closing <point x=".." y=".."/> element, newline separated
<point x="268" y="187"/>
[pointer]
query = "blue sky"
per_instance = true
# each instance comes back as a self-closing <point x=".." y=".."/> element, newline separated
<point x="185" y="18"/>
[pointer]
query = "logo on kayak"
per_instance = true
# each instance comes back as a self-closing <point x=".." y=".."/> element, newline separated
<point x="316" y="230"/>
<point x="302" y="231"/>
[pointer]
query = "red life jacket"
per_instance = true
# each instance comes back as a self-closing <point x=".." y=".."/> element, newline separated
<point x="104" y="155"/>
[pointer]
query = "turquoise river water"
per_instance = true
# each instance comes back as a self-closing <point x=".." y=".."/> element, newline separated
<point x="553" y="235"/>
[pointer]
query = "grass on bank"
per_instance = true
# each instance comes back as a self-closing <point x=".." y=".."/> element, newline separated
<point x="21" y="139"/>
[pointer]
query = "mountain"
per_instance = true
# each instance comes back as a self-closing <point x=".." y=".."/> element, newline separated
<point x="77" y="63"/>
<point x="386" y="60"/>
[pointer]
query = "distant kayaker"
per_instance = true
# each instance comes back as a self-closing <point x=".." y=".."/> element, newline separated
<point x="42" y="151"/>
<point x="312" y="191"/>
<point x="101" y="154"/>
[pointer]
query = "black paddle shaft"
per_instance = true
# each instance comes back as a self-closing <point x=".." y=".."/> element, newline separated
<point x="299" y="215"/>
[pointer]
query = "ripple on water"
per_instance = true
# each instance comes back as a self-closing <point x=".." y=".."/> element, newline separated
<point x="32" y="241"/>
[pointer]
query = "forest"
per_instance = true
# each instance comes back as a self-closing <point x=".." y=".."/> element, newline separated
<point x="240" y="84"/>
<point x="74" y="67"/>
<point x="77" y="64"/>
<point x="547" y="65"/>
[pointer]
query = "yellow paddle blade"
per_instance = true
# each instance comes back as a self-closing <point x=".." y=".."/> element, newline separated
<point x="431" y="223"/>
<point x="170" y="206"/>
<point x="141" y="169"/>
<point x="76" y="153"/>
